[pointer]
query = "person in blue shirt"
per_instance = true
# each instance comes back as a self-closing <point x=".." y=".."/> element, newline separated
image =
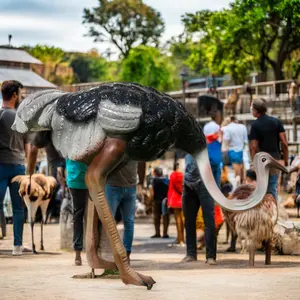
<point x="195" y="195"/>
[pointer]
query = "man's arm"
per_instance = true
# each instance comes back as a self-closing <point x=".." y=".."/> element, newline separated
<point x="32" y="158"/>
<point x="226" y="138"/>
<point x="285" y="148"/>
<point x="253" y="148"/>
<point x="245" y="137"/>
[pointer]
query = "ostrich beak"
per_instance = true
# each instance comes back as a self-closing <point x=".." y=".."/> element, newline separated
<point x="276" y="165"/>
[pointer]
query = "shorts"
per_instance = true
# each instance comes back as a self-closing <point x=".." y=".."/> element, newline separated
<point x="235" y="157"/>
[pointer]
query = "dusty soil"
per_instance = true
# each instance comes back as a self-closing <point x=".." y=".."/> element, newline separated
<point x="47" y="276"/>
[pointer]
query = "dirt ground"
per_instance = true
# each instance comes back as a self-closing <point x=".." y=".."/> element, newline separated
<point x="47" y="276"/>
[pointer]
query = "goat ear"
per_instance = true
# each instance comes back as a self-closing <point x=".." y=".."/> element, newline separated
<point x="18" y="178"/>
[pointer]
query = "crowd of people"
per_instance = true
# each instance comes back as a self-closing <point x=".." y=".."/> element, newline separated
<point x="182" y="194"/>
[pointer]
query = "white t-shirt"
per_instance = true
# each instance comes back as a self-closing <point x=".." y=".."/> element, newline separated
<point x="236" y="135"/>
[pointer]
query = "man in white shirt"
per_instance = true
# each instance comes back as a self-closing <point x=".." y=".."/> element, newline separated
<point x="236" y="138"/>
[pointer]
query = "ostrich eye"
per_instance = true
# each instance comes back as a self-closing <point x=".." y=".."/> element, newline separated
<point x="264" y="159"/>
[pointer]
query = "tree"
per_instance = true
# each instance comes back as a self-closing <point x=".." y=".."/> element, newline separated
<point x="127" y="23"/>
<point x="56" y="67"/>
<point x="216" y="51"/>
<point x="251" y="34"/>
<point x="147" y="66"/>
<point x="88" y="67"/>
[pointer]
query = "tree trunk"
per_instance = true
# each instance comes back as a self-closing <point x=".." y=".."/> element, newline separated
<point x="278" y="73"/>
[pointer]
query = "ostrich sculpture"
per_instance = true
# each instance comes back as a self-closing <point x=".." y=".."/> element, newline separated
<point x="36" y="191"/>
<point x="110" y="124"/>
<point x="256" y="224"/>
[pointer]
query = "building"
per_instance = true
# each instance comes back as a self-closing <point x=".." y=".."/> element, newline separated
<point x="18" y="65"/>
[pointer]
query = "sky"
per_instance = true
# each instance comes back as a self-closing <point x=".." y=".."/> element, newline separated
<point x="59" y="22"/>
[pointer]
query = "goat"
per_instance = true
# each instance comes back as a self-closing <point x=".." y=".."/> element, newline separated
<point x="254" y="225"/>
<point x="36" y="191"/>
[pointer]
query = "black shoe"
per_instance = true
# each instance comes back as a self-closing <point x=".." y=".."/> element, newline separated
<point x="230" y="249"/>
<point x="166" y="236"/>
<point x="155" y="236"/>
<point x="189" y="258"/>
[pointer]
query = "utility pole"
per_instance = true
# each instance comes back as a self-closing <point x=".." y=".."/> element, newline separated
<point x="9" y="40"/>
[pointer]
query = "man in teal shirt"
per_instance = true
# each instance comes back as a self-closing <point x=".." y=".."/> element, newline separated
<point x="76" y="182"/>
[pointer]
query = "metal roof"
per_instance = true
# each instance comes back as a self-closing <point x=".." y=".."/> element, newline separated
<point x="26" y="77"/>
<point x="16" y="55"/>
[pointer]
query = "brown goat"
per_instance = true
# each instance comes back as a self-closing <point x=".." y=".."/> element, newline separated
<point x="256" y="224"/>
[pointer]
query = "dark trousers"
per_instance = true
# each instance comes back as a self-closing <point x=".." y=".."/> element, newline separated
<point x="194" y="196"/>
<point x="80" y="198"/>
<point x="157" y="217"/>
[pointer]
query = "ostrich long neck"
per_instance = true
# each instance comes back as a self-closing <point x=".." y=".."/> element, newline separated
<point x="235" y="204"/>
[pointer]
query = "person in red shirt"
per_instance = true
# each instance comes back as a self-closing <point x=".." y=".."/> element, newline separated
<point x="175" y="201"/>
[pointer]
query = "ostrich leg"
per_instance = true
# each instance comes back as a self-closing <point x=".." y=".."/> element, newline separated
<point x="268" y="252"/>
<point x="105" y="161"/>
<point x="251" y="249"/>
<point x="92" y="243"/>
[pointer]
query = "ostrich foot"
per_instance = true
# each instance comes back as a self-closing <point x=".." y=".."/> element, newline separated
<point x="110" y="274"/>
<point x="135" y="278"/>
<point x="90" y="275"/>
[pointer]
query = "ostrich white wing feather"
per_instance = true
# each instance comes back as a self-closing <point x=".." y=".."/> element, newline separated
<point x="75" y="140"/>
<point x="119" y="118"/>
<point x="30" y="111"/>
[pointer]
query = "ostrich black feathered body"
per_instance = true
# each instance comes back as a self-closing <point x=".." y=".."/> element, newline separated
<point x="151" y="122"/>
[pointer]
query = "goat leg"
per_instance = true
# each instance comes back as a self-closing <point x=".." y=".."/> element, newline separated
<point x="252" y="250"/>
<point x="42" y="236"/>
<point x="268" y="247"/>
<point x="32" y="238"/>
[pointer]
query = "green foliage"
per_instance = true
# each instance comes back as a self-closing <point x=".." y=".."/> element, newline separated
<point x="88" y="68"/>
<point x="46" y="53"/>
<point x="126" y="23"/>
<point x="56" y="68"/>
<point x="147" y="66"/>
<point x="251" y="35"/>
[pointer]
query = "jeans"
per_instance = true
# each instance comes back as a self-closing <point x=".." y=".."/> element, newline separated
<point x="7" y="173"/>
<point x="216" y="170"/>
<point x="272" y="186"/>
<point x="80" y="198"/>
<point x="194" y="196"/>
<point x="124" y="197"/>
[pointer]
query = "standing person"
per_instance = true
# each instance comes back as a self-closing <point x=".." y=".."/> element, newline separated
<point x="212" y="131"/>
<point x="267" y="133"/>
<point x="120" y="192"/>
<point x="76" y="182"/>
<point x="236" y="137"/>
<point x="160" y="185"/>
<point x="13" y="146"/>
<point x="195" y="195"/>
<point x="175" y="201"/>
